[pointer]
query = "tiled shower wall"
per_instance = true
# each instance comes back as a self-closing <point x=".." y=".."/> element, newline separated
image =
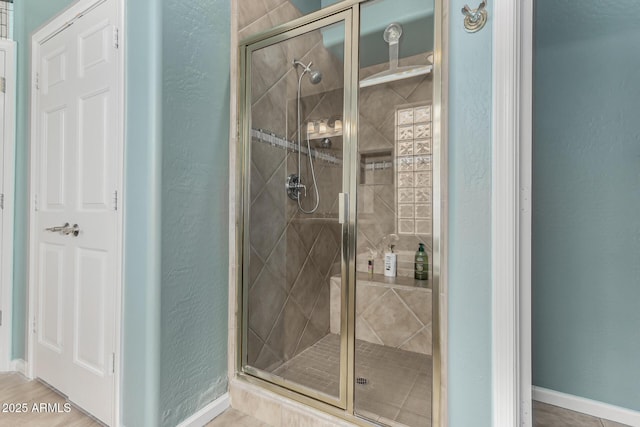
<point x="376" y="195"/>
<point x="292" y="255"/>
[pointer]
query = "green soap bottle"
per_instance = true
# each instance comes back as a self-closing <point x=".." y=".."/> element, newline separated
<point x="421" y="264"/>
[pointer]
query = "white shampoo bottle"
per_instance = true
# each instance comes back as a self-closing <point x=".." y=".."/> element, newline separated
<point x="390" y="263"/>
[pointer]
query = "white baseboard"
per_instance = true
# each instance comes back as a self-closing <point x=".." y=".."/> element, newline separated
<point x="206" y="414"/>
<point x="19" y="365"/>
<point x="587" y="406"/>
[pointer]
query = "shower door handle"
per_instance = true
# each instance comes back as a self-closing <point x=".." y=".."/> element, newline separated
<point x="343" y="207"/>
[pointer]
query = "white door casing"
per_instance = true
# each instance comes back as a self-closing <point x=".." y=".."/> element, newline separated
<point x="511" y="211"/>
<point x="76" y="154"/>
<point x="7" y="163"/>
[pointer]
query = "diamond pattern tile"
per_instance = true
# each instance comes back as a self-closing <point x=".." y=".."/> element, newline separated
<point x="324" y="251"/>
<point x="264" y="294"/>
<point x="391" y="321"/>
<point x="379" y="305"/>
<point x="418" y="301"/>
<point x="287" y="331"/>
<point x="420" y="342"/>
<point x="307" y="287"/>
<point x="265" y="230"/>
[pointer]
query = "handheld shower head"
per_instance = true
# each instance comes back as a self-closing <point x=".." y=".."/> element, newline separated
<point x="315" y="76"/>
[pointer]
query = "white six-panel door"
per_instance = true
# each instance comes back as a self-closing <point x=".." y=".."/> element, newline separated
<point x="76" y="182"/>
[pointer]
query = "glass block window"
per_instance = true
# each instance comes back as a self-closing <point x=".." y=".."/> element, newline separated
<point x="413" y="159"/>
<point x="6" y="16"/>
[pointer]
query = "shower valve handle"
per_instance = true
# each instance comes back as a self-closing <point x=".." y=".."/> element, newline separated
<point x="294" y="187"/>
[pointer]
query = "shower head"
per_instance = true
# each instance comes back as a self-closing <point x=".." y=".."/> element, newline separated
<point x="315" y="76"/>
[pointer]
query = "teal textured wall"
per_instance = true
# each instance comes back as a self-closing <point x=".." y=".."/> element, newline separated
<point x="469" y="224"/>
<point x="586" y="200"/>
<point x="176" y="203"/>
<point x="470" y="220"/>
<point x="195" y="194"/>
<point x="29" y="15"/>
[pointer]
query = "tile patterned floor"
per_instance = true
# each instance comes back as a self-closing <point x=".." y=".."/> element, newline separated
<point x="14" y="388"/>
<point x="552" y="416"/>
<point x="398" y="386"/>
<point x="544" y="416"/>
<point x="234" y="418"/>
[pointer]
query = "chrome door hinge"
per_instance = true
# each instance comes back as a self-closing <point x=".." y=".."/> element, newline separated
<point x="33" y="326"/>
<point x="116" y="37"/>
<point x="37" y="81"/>
<point x="3" y="85"/>
<point x="115" y="200"/>
<point x="2" y="201"/>
<point x="113" y="363"/>
<point x="35" y="202"/>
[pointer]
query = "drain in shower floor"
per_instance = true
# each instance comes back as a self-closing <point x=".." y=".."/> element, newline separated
<point x="362" y="381"/>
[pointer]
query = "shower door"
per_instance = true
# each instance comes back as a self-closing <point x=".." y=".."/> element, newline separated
<point x="341" y="164"/>
<point x="296" y="180"/>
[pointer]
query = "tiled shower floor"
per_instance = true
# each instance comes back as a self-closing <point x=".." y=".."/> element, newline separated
<point x="398" y="388"/>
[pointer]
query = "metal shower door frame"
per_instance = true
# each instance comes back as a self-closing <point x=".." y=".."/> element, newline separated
<point x="346" y="17"/>
<point x="347" y="11"/>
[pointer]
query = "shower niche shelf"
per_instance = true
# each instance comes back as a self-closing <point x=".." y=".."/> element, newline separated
<point x="376" y="168"/>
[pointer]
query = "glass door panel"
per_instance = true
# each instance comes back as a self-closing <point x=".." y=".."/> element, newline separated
<point x="293" y="247"/>
<point x="393" y="321"/>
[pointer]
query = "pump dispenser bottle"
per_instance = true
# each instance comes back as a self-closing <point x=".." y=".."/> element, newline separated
<point x="421" y="263"/>
<point x="390" y="263"/>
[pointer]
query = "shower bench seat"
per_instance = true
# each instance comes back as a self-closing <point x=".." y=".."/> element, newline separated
<point x="390" y="311"/>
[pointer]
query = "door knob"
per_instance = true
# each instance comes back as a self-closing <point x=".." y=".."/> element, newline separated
<point x="61" y="228"/>
<point x="75" y="230"/>
<point x="65" y="229"/>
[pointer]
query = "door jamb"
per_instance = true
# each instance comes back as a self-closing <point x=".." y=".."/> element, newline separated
<point x="525" y="161"/>
<point x="8" y="195"/>
<point x="47" y="30"/>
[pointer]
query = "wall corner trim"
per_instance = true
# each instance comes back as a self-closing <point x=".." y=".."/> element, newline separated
<point x="20" y="366"/>
<point x="209" y="412"/>
<point x="587" y="406"/>
<point x="505" y="227"/>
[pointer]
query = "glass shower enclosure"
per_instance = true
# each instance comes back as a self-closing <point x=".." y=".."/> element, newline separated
<point x="340" y="164"/>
